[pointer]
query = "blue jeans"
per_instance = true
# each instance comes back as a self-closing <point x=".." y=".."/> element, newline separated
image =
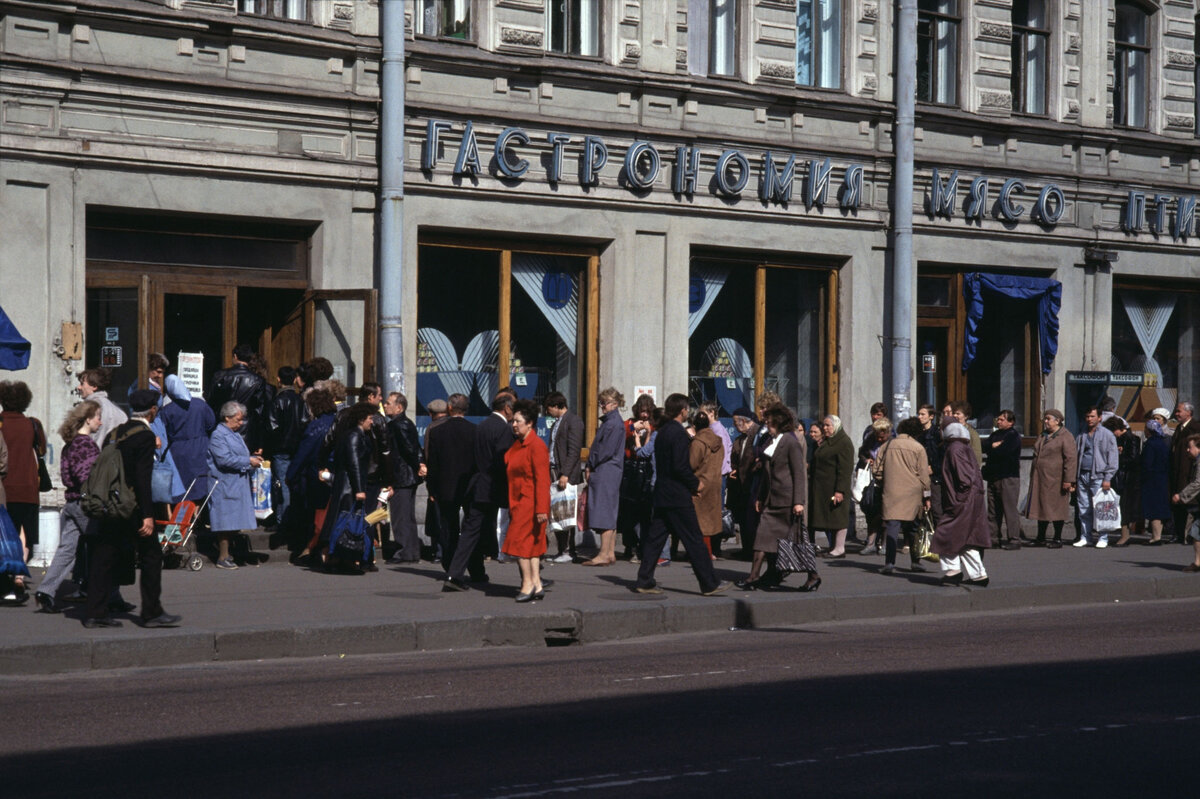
<point x="281" y="495"/>
<point x="1084" y="491"/>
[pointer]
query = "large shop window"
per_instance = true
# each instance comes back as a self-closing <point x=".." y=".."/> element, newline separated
<point x="1156" y="331"/>
<point x="755" y="327"/>
<point x="937" y="51"/>
<point x="1131" y="66"/>
<point x="573" y="27"/>
<point x="1029" y="53"/>
<point x="987" y="339"/>
<point x="819" y="43"/>
<point x="534" y="303"/>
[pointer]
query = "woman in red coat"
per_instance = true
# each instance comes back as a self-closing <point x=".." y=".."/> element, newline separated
<point x="527" y="463"/>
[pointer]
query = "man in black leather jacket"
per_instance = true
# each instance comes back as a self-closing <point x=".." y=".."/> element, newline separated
<point x="407" y="471"/>
<point x="242" y="384"/>
<point x="286" y="421"/>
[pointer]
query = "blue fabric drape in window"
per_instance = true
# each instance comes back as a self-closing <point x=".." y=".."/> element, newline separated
<point x="14" y="348"/>
<point x="1047" y="293"/>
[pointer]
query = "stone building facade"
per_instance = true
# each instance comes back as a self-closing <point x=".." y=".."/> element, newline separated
<point x="666" y="195"/>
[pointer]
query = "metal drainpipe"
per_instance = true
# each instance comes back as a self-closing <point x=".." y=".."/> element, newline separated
<point x="902" y="212"/>
<point x="391" y="197"/>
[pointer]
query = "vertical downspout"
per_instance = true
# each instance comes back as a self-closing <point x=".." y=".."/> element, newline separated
<point x="391" y="197"/>
<point x="902" y="212"/>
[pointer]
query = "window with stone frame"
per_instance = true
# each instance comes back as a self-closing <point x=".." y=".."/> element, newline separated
<point x="1131" y="66"/>
<point x="1196" y="80"/>
<point x="722" y="43"/>
<point x="1030" y="51"/>
<point x="938" y="23"/>
<point x="573" y="27"/>
<point x="295" y="10"/>
<point x="819" y="43"/>
<point x="447" y="19"/>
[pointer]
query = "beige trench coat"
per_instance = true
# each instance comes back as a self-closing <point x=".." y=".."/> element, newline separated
<point x="1054" y="463"/>
<point x="903" y="468"/>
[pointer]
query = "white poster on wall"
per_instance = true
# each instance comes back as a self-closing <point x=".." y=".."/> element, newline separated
<point x="191" y="372"/>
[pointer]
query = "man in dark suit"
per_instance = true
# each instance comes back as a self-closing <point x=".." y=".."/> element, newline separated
<point x="113" y="547"/>
<point x="674" y="485"/>
<point x="242" y="384"/>
<point x="566" y="441"/>
<point x="449" y="464"/>
<point x="488" y="493"/>
<point x="406" y="455"/>
<point x="1180" y="467"/>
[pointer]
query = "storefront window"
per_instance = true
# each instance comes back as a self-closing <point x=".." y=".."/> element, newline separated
<point x="1156" y="333"/>
<point x="472" y="304"/>
<point x="754" y="327"/>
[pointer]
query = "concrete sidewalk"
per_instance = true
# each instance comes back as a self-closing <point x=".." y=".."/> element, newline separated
<point x="276" y="612"/>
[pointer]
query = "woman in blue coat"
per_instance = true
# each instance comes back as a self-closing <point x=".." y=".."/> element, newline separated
<point x="1156" y="504"/>
<point x="603" y="470"/>
<point x="231" y="508"/>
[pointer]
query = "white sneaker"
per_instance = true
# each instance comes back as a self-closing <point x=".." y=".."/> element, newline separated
<point x="1080" y="543"/>
<point x="1102" y="543"/>
<point x="561" y="558"/>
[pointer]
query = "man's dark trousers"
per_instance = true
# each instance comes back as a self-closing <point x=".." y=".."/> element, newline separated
<point x="683" y="523"/>
<point x="480" y="520"/>
<point x="108" y="549"/>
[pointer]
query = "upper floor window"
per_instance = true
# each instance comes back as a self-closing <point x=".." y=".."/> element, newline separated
<point x="937" y="51"/>
<point x="1196" y="81"/>
<point x="1030" y="36"/>
<point x="722" y="47"/>
<point x="1132" y="66"/>
<point x="448" y="18"/>
<point x="573" y="27"/>
<point x="280" y="9"/>
<point x="819" y="43"/>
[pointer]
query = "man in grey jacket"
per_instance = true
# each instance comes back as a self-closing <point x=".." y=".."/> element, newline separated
<point x="1098" y="457"/>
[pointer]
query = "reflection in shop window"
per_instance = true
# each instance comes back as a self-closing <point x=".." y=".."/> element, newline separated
<point x="447" y="18"/>
<point x="728" y="326"/>
<point x="460" y="314"/>
<point x="1156" y="333"/>
<point x="338" y="336"/>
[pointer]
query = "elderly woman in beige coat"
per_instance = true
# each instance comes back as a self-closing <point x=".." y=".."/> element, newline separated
<point x="706" y="454"/>
<point x="1052" y="478"/>
<point x="902" y="467"/>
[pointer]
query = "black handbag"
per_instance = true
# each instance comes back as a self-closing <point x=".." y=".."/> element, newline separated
<point x="44" y="483"/>
<point x="796" y="553"/>
<point x="635" y="479"/>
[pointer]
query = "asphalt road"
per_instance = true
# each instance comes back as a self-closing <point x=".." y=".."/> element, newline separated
<point x="1088" y="701"/>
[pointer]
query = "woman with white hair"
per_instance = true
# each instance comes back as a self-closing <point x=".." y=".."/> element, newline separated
<point x="962" y="533"/>
<point x="230" y="463"/>
<point x="832" y="471"/>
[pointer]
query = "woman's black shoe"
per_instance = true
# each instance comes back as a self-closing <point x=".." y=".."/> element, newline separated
<point x="812" y="585"/>
<point x="747" y="585"/>
<point x="46" y="603"/>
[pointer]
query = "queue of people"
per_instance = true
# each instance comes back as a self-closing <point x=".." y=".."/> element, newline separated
<point x="497" y="492"/>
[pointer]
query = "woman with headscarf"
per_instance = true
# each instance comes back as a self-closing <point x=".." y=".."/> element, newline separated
<point x="1127" y="482"/>
<point x="705" y="456"/>
<point x="832" y="471"/>
<point x="1052" y="478"/>
<point x="867" y="454"/>
<point x="1156" y="494"/>
<point x="962" y="533"/>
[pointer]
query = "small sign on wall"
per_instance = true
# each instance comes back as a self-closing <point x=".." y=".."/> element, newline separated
<point x="191" y="372"/>
<point x="650" y="391"/>
<point x="112" y="335"/>
<point x="111" y="357"/>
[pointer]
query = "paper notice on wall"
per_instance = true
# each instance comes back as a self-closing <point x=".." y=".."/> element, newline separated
<point x="649" y="391"/>
<point x="191" y="372"/>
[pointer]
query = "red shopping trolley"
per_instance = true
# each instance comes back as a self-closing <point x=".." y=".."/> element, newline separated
<point x="176" y="534"/>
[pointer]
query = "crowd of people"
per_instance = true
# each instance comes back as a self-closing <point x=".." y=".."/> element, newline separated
<point x="782" y="490"/>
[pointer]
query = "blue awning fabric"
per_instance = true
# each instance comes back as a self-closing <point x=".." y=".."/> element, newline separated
<point x="14" y="348"/>
<point x="1047" y="293"/>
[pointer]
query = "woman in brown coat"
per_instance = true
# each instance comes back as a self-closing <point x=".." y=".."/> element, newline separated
<point x="902" y="467"/>
<point x="1052" y="478"/>
<point x="706" y="454"/>
<point x="963" y="531"/>
<point x="781" y="500"/>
